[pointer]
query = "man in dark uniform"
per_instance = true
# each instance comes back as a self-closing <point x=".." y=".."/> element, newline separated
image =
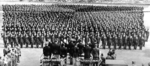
<point x="104" y="39"/>
<point x="32" y="39"/>
<point x="141" y="40"/>
<point x="135" y="41"/>
<point x="87" y="52"/>
<point x="108" y="39"/>
<point x="95" y="52"/>
<point x="114" y="38"/>
<point x="4" y="36"/>
<point x="125" y="37"/>
<point x="120" y="40"/>
<point x="56" y="49"/>
<point x="63" y="50"/>
<point x="46" y="51"/>
<point x="81" y="47"/>
<point x="130" y="40"/>
<point x="42" y="38"/>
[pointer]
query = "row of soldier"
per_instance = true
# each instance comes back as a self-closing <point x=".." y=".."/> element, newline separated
<point x="46" y="7"/>
<point x="101" y="25"/>
<point x="110" y="39"/>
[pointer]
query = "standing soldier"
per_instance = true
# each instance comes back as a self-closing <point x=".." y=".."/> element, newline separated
<point x="35" y="39"/>
<point x="42" y="39"/>
<point x="109" y="38"/>
<point x="120" y="40"/>
<point x="124" y="39"/>
<point x="22" y="39"/>
<point x="16" y="38"/>
<point x="4" y="38"/>
<point x="130" y="40"/>
<point x="38" y="39"/>
<point x="32" y="39"/>
<point x="12" y="39"/>
<point x="141" y="41"/>
<point x="115" y="40"/>
<point x="104" y="39"/>
<point x="27" y="40"/>
<point x="19" y="38"/>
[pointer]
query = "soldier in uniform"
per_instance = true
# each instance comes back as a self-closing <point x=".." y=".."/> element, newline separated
<point x="124" y="40"/>
<point x="27" y="40"/>
<point x="141" y="40"/>
<point x="114" y="40"/>
<point x="12" y="39"/>
<point x="63" y="50"/>
<point x="32" y="39"/>
<point x="120" y="40"/>
<point x="130" y="40"/>
<point x="104" y="39"/>
<point x="87" y="52"/>
<point x="135" y="41"/>
<point x="109" y="39"/>
<point x="4" y="36"/>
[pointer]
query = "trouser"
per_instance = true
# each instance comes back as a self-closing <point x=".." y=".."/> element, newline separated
<point x="103" y="44"/>
<point x="125" y="44"/>
<point x="14" y="62"/>
<point x="135" y="44"/>
<point x="119" y="43"/>
<point x="27" y="42"/>
<point x="32" y="42"/>
<point x="109" y="44"/>
<point x="115" y="44"/>
<point x="75" y="61"/>
<point x="130" y="43"/>
<point x="141" y="42"/>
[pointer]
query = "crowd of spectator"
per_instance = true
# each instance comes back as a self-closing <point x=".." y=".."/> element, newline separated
<point x="11" y="56"/>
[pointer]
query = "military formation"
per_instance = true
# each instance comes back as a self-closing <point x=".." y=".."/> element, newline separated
<point x="111" y="26"/>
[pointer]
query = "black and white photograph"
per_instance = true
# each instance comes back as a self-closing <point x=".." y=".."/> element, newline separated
<point x="74" y="32"/>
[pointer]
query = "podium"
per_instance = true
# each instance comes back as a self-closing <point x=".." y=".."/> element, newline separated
<point x="90" y="62"/>
<point x="115" y="63"/>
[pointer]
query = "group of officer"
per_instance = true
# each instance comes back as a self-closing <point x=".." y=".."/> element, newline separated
<point x="26" y="25"/>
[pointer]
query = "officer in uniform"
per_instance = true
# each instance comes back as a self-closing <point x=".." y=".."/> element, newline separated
<point x="87" y="52"/>
<point x="42" y="38"/>
<point x="124" y="40"/>
<point x="104" y="39"/>
<point x="120" y="40"/>
<point x="32" y="39"/>
<point x="63" y="50"/>
<point x="130" y="40"/>
<point x="141" y="40"/>
<point x="135" y="41"/>
<point x="95" y="52"/>
<point x="110" y="40"/>
<point x="4" y="35"/>
<point x="38" y="39"/>
<point x="27" y="40"/>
